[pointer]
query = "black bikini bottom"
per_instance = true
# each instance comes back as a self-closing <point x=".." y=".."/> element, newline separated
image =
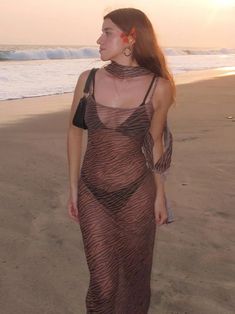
<point x="115" y="200"/>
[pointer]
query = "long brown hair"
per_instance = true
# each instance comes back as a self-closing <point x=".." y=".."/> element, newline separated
<point x="146" y="50"/>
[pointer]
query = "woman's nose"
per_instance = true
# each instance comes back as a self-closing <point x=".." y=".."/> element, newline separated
<point x="99" y="40"/>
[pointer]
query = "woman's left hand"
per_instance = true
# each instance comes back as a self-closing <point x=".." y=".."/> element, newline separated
<point x="160" y="211"/>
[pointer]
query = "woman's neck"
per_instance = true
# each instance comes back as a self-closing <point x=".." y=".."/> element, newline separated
<point x="125" y="71"/>
<point x="126" y="62"/>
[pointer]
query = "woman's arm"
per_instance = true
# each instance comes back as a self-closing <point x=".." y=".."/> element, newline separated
<point x="75" y="137"/>
<point x="162" y="100"/>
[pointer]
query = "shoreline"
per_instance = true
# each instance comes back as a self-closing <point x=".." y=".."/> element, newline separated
<point x="14" y="110"/>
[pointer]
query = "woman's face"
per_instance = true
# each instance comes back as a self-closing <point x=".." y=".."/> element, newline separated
<point x="110" y="41"/>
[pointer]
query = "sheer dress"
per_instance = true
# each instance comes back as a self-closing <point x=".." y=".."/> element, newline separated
<point x="116" y="193"/>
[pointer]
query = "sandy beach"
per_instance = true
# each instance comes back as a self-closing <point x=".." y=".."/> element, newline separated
<point x="43" y="266"/>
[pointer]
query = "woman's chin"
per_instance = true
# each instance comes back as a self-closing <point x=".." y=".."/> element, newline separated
<point x="104" y="56"/>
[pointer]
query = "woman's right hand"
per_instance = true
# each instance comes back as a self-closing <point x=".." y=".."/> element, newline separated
<point x="73" y="208"/>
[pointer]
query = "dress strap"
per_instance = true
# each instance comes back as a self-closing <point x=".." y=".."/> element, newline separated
<point x="150" y="86"/>
<point x="93" y="86"/>
<point x="89" y="78"/>
<point x="90" y="83"/>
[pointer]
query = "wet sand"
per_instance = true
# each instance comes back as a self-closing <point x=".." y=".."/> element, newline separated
<point x="43" y="266"/>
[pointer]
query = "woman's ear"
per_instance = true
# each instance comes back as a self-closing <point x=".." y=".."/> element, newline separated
<point x="131" y="40"/>
<point x="132" y="36"/>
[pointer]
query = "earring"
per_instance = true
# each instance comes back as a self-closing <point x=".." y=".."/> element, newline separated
<point x="127" y="51"/>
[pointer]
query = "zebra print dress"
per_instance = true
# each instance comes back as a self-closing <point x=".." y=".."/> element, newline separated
<point x="116" y="193"/>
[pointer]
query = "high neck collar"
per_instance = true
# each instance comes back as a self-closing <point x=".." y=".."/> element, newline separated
<point x="125" y="71"/>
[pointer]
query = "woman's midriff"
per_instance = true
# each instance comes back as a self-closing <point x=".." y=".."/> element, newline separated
<point x="115" y="173"/>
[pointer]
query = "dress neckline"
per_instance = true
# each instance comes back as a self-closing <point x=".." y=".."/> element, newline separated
<point x="134" y="110"/>
<point x="118" y="108"/>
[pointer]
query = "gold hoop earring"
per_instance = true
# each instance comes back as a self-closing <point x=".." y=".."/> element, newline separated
<point x="127" y="51"/>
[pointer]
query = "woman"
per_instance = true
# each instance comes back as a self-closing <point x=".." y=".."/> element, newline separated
<point x="119" y="197"/>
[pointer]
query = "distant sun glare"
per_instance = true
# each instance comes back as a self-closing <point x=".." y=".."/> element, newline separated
<point x="225" y="3"/>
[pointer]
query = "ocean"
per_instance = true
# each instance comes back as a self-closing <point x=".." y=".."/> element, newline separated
<point x="37" y="70"/>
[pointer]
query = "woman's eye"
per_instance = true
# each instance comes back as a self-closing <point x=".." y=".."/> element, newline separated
<point x="107" y="33"/>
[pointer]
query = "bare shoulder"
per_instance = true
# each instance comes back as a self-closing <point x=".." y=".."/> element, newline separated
<point x="81" y="83"/>
<point x="82" y="79"/>
<point x="78" y="91"/>
<point x="83" y="76"/>
<point x="162" y="96"/>
<point x="164" y="86"/>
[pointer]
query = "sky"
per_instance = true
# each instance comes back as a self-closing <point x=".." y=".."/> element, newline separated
<point x="178" y="23"/>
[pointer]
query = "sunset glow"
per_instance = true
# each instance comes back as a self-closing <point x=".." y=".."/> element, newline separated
<point x="225" y="3"/>
<point x="193" y="23"/>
